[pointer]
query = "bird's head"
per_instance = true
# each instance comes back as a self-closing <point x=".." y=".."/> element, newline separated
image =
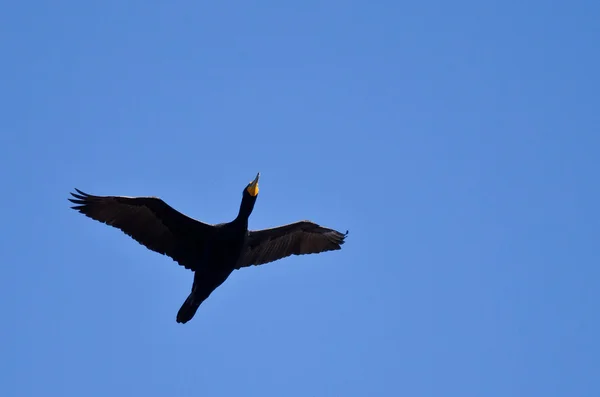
<point x="252" y="188"/>
<point x="249" y="198"/>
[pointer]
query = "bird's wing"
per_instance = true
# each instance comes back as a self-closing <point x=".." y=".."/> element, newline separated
<point x="150" y="221"/>
<point x="298" y="238"/>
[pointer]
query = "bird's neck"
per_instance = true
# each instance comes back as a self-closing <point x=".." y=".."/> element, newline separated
<point x="246" y="208"/>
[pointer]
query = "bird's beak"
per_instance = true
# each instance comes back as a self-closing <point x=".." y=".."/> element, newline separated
<point x="253" y="187"/>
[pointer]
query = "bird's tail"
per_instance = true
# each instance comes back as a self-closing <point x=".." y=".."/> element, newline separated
<point x="189" y="308"/>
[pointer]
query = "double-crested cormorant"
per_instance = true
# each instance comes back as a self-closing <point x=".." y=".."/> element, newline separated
<point x="212" y="252"/>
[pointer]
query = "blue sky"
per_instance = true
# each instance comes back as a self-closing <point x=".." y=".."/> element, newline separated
<point x="457" y="141"/>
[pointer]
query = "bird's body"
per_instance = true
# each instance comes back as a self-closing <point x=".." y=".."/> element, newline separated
<point x="212" y="252"/>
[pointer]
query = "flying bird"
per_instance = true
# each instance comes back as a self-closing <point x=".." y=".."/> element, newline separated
<point x="211" y="252"/>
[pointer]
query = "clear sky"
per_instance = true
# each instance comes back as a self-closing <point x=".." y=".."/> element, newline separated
<point x="457" y="141"/>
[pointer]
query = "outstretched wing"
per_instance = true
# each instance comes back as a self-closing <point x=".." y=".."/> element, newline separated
<point x="151" y="222"/>
<point x="298" y="238"/>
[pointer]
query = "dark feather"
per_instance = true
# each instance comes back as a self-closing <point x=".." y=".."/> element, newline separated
<point x="151" y="222"/>
<point x="298" y="238"/>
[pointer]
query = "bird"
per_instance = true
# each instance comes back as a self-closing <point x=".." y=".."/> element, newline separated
<point x="211" y="251"/>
